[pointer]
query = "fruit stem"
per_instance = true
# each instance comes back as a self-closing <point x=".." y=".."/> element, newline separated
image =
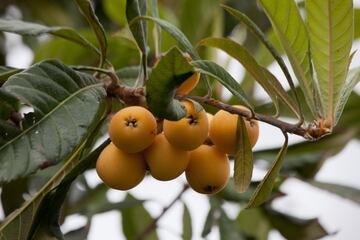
<point x="152" y="226"/>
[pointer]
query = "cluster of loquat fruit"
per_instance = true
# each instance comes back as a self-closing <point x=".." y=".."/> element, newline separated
<point x="137" y="146"/>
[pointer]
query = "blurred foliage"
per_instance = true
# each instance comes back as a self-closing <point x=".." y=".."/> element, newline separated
<point x="197" y="20"/>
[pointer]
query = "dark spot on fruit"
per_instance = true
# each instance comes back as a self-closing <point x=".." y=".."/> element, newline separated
<point x="131" y="122"/>
<point x="210" y="189"/>
<point x="192" y="120"/>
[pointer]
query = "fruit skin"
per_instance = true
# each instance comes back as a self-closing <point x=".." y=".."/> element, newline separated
<point x="120" y="170"/>
<point x="189" y="132"/>
<point x="208" y="170"/>
<point x="133" y="129"/>
<point x="222" y="130"/>
<point x="165" y="161"/>
<point x="189" y="84"/>
<point x="210" y="117"/>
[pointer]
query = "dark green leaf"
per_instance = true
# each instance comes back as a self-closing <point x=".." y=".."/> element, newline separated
<point x="8" y="104"/>
<point x="34" y="29"/>
<point x="219" y="73"/>
<point x="290" y="29"/>
<point x="270" y="84"/>
<point x="6" y="72"/>
<point x="265" y="187"/>
<point x="169" y="73"/>
<point x="89" y="13"/>
<point x="12" y="195"/>
<point x="330" y="26"/>
<point x="65" y="104"/>
<point x="176" y="34"/>
<point x="129" y="75"/>
<point x="295" y="228"/>
<point x="134" y="220"/>
<point x="350" y="193"/>
<point x="187" y="228"/>
<point x="243" y="166"/>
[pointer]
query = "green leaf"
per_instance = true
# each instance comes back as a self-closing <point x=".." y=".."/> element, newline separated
<point x="189" y="14"/>
<point x="12" y="195"/>
<point x="176" y="34"/>
<point x="78" y="234"/>
<point x="264" y="39"/>
<point x="243" y="166"/>
<point x="290" y="28"/>
<point x="6" y="72"/>
<point x="330" y="24"/>
<point x="219" y="73"/>
<point x="135" y="220"/>
<point x="89" y="13"/>
<point x="46" y="220"/>
<point x="169" y="73"/>
<point x="270" y="84"/>
<point x="264" y="189"/>
<point x="209" y="222"/>
<point x="65" y="105"/>
<point x="350" y="193"/>
<point x="34" y="29"/>
<point x="356" y="23"/>
<point x="18" y="224"/>
<point x="254" y="223"/>
<point x="352" y="79"/>
<point x="8" y="104"/>
<point x="129" y="75"/>
<point x="187" y="228"/>
<point x="295" y="228"/>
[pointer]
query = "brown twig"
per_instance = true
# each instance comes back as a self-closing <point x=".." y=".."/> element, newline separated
<point x="152" y="226"/>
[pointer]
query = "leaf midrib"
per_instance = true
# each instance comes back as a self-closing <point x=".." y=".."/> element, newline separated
<point x="330" y="64"/>
<point x="50" y="113"/>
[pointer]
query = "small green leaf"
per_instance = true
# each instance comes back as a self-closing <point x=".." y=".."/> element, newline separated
<point x="65" y="105"/>
<point x="135" y="219"/>
<point x="290" y="29"/>
<point x="254" y="223"/>
<point x="228" y="228"/>
<point x="169" y="73"/>
<point x="243" y="166"/>
<point x="187" y="228"/>
<point x="330" y="24"/>
<point x="270" y="84"/>
<point x="264" y="189"/>
<point x="209" y="222"/>
<point x="176" y="34"/>
<point x="219" y="73"/>
<point x="34" y="29"/>
<point x="89" y="13"/>
<point x="350" y="193"/>
<point x="352" y="79"/>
